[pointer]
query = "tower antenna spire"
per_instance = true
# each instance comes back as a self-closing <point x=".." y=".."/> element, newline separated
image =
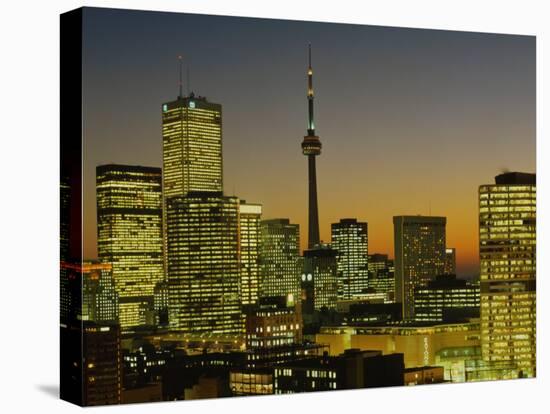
<point x="180" y="58"/>
<point x="311" y="122"/>
<point x="311" y="147"/>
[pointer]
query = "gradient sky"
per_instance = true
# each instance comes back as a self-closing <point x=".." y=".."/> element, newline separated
<point x="411" y="121"/>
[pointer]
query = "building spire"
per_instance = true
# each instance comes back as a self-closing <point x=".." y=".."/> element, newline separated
<point x="311" y="123"/>
<point x="311" y="147"/>
<point x="188" y="78"/>
<point x="180" y="58"/>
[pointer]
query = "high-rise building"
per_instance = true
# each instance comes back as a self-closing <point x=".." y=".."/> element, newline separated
<point x="250" y="237"/>
<point x="203" y="264"/>
<point x="507" y="252"/>
<point x="192" y="146"/>
<point x="419" y="243"/>
<point x="311" y="147"/>
<point x="450" y="261"/>
<point x="161" y="304"/>
<point x="69" y="286"/>
<point x="99" y="297"/>
<point x="129" y="229"/>
<point x="381" y="276"/>
<point x="446" y="299"/>
<point x="350" y="240"/>
<point x="102" y="364"/>
<point x="279" y="258"/>
<point x="319" y="282"/>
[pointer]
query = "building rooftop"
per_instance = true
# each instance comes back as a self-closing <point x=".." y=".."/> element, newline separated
<point x="513" y="178"/>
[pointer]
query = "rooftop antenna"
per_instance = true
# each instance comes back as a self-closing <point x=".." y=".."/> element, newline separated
<point x="188" y="80"/>
<point x="180" y="58"/>
<point x="311" y="123"/>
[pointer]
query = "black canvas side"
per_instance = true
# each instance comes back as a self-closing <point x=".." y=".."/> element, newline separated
<point x="71" y="387"/>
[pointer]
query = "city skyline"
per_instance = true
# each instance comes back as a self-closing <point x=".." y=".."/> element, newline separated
<point x="209" y="287"/>
<point x="468" y="120"/>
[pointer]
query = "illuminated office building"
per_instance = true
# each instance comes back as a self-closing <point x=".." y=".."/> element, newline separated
<point x="250" y="236"/>
<point x="319" y="286"/>
<point x="350" y="370"/>
<point x="275" y="322"/>
<point x="203" y="264"/>
<point x="450" y="261"/>
<point x="446" y="299"/>
<point x="192" y="146"/>
<point x="419" y="243"/>
<point x="279" y="258"/>
<point x="420" y="343"/>
<point x="99" y="297"/>
<point x="129" y="227"/>
<point x="350" y="240"/>
<point x="101" y="364"/>
<point x="507" y="252"/>
<point x="381" y="276"/>
<point x="251" y="382"/>
<point x="160" y="304"/>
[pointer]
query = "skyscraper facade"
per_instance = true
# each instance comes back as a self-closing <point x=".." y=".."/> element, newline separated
<point x="350" y="240"/>
<point x="381" y="275"/>
<point x="204" y="271"/>
<point x="250" y="237"/>
<point x="450" y="261"/>
<point x="129" y="226"/>
<point x="446" y="299"/>
<point x="319" y="282"/>
<point x="192" y="146"/>
<point x="99" y="297"/>
<point x="280" y="263"/>
<point x="507" y="252"/>
<point x="101" y="364"/>
<point x="311" y="147"/>
<point x="419" y="243"/>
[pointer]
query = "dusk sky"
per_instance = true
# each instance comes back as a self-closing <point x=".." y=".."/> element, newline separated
<point x="411" y="121"/>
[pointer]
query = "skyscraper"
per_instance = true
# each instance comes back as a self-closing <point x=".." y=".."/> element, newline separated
<point x="101" y="364"/>
<point x="250" y="237"/>
<point x="129" y="235"/>
<point x="381" y="275"/>
<point x="450" y="261"/>
<point x="191" y="146"/>
<point x="507" y="252"/>
<point x="319" y="282"/>
<point x="203" y="264"/>
<point x="280" y="263"/>
<point x="419" y="243"/>
<point x="311" y="147"/>
<point x="350" y="240"/>
<point x="99" y="297"/>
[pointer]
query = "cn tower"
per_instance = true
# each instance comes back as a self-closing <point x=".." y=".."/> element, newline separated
<point x="311" y="147"/>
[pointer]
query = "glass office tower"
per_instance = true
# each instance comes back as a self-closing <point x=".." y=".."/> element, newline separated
<point x="507" y="252"/>
<point x="419" y="243"/>
<point x="250" y="236"/>
<point x="280" y="262"/>
<point x="203" y="264"/>
<point x="350" y="240"/>
<point x="129" y="230"/>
